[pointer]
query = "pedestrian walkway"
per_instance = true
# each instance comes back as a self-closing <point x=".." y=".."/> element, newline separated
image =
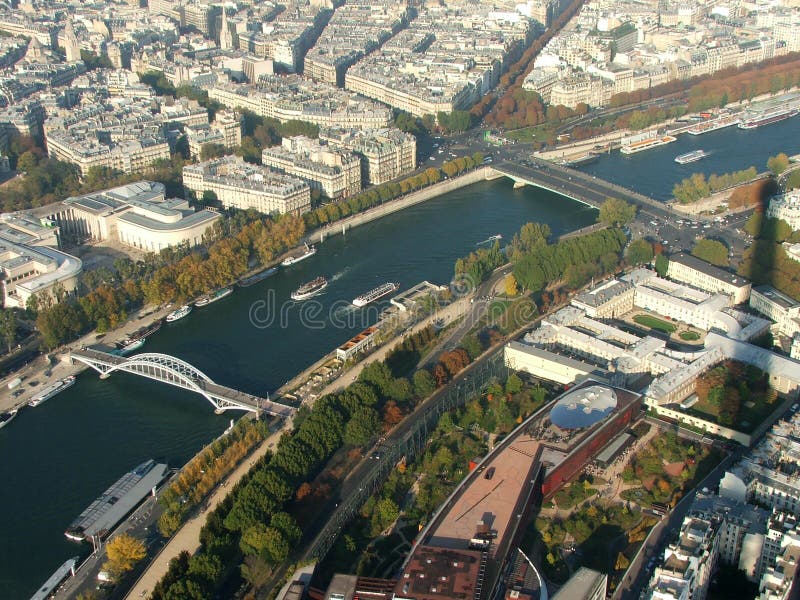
<point x="188" y="536"/>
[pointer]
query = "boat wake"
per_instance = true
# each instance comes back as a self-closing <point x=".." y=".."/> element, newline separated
<point x="490" y="240"/>
<point x="340" y="274"/>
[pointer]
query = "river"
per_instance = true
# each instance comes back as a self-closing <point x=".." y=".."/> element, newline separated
<point x="61" y="455"/>
<point x="654" y="172"/>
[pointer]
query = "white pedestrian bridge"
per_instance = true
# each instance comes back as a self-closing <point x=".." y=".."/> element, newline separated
<point x="174" y="371"/>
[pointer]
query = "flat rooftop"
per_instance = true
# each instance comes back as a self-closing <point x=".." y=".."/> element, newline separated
<point x="439" y="574"/>
<point x="712" y="271"/>
<point x="492" y="501"/>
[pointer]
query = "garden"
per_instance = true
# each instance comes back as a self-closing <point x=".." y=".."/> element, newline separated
<point x="734" y="395"/>
<point x="599" y="535"/>
<point x="655" y="323"/>
<point x="664" y="469"/>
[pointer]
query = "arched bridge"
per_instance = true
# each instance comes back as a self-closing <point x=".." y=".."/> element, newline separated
<point x="174" y="371"/>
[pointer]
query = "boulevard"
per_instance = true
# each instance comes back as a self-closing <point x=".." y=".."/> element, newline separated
<point x="258" y="360"/>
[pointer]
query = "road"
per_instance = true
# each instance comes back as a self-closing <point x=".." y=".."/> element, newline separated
<point x="664" y="532"/>
<point x="479" y="304"/>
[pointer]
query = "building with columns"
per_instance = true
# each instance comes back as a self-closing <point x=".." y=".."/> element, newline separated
<point x="31" y="263"/>
<point x="137" y="215"/>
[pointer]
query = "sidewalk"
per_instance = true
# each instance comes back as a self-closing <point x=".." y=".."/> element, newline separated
<point x="188" y="536"/>
<point x="60" y="368"/>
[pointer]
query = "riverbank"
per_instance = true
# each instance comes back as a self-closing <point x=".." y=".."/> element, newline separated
<point x="580" y="148"/>
<point x="43" y="371"/>
<point x="387" y="208"/>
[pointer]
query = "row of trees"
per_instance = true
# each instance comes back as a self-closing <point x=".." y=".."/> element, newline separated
<point x="574" y="260"/>
<point x="697" y="186"/>
<point x="518" y="108"/>
<point x="235" y="246"/>
<point x="333" y="211"/>
<point x="512" y="80"/>
<point x="253" y="525"/>
<point x="201" y="474"/>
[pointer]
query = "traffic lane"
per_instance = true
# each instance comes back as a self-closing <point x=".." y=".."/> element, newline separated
<point x="364" y="467"/>
<point x="593" y="189"/>
<point x="141" y="525"/>
<point x="673" y="522"/>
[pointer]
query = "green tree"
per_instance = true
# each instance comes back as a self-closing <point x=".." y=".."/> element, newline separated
<point x="8" y="327"/>
<point x="711" y="251"/>
<point x="276" y="546"/>
<point x="513" y="384"/>
<point x="27" y="161"/>
<point x="169" y="522"/>
<point x="616" y="212"/>
<point x="362" y="425"/>
<point x="753" y="224"/>
<point x="639" y="252"/>
<point x="209" y="151"/>
<point x="386" y="513"/>
<point x="209" y="197"/>
<point x="285" y="523"/>
<point x="662" y="265"/>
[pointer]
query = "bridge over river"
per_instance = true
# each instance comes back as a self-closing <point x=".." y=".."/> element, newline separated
<point x="577" y="185"/>
<point x="174" y="371"/>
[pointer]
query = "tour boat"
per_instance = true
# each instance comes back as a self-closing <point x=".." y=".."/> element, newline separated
<point x="289" y="261"/>
<point x="214" y="296"/>
<point x="179" y="313"/>
<point x="7" y="417"/>
<point x="372" y="295"/>
<point x="313" y="287"/>
<point x="52" y="390"/>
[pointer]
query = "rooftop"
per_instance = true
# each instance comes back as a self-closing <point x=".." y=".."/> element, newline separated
<point x="707" y="268"/>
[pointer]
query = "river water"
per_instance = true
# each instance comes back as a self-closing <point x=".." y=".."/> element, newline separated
<point x="654" y="172"/>
<point x="60" y="456"/>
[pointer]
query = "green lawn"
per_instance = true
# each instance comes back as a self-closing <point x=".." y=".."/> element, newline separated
<point x="689" y="336"/>
<point x="654" y="323"/>
<point x="539" y="133"/>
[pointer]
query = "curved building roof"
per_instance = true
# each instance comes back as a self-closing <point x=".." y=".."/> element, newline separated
<point x="583" y="407"/>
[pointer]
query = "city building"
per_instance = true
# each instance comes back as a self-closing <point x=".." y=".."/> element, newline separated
<point x="585" y="584"/>
<point x="334" y="171"/>
<point x="386" y="153"/>
<point x="786" y="207"/>
<point x="705" y="276"/>
<point x="778" y="307"/>
<point x="689" y="562"/>
<point x="225" y="131"/>
<point x="290" y="97"/>
<point x="238" y="184"/>
<point x="137" y="215"/>
<point x="31" y="263"/>
<point x="741" y="532"/>
<point x="119" y="133"/>
<point x="768" y="475"/>
<point x="606" y="301"/>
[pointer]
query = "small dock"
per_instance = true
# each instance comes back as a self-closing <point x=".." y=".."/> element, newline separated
<point x="406" y="301"/>
<point x="68" y="568"/>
